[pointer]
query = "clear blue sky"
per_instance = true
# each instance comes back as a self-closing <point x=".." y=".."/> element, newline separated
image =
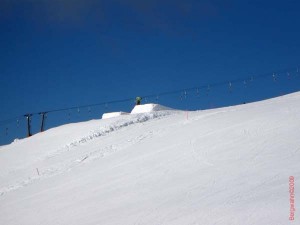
<point x="60" y="53"/>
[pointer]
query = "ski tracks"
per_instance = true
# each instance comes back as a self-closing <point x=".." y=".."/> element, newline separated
<point x="111" y="128"/>
<point x="87" y="157"/>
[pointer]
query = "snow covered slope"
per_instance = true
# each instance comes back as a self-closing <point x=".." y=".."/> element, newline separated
<point x="228" y="166"/>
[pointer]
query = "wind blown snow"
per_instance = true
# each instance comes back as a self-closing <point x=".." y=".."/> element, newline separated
<point x="221" y="166"/>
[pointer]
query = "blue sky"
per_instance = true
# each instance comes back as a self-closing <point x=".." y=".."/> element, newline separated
<point x="63" y="53"/>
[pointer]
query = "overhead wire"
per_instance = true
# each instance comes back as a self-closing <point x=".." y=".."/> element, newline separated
<point x="207" y="88"/>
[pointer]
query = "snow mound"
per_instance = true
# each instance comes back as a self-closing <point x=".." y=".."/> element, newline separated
<point x="113" y="114"/>
<point x="149" y="108"/>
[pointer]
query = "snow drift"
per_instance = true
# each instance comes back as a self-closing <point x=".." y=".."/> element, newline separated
<point x="113" y="114"/>
<point x="149" y="108"/>
<point x="222" y="166"/>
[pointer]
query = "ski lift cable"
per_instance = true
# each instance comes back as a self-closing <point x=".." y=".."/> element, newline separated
<point x="4" y="122"/>
<point x="9" y="121"/>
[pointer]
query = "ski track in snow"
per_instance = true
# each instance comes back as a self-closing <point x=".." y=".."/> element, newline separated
<point x="116" y="126"/>
<point x="91" y="156"/>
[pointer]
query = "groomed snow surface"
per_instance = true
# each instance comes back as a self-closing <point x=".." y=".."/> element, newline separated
<point x="226" y="166"/>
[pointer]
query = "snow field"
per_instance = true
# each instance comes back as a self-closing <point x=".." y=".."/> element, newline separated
<point x="222" y="166"/>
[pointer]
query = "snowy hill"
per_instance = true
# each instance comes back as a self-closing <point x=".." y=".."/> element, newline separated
<point x="228" y="166"/>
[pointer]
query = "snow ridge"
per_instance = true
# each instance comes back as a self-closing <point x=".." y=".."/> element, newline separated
<point x="119" y="124"/>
